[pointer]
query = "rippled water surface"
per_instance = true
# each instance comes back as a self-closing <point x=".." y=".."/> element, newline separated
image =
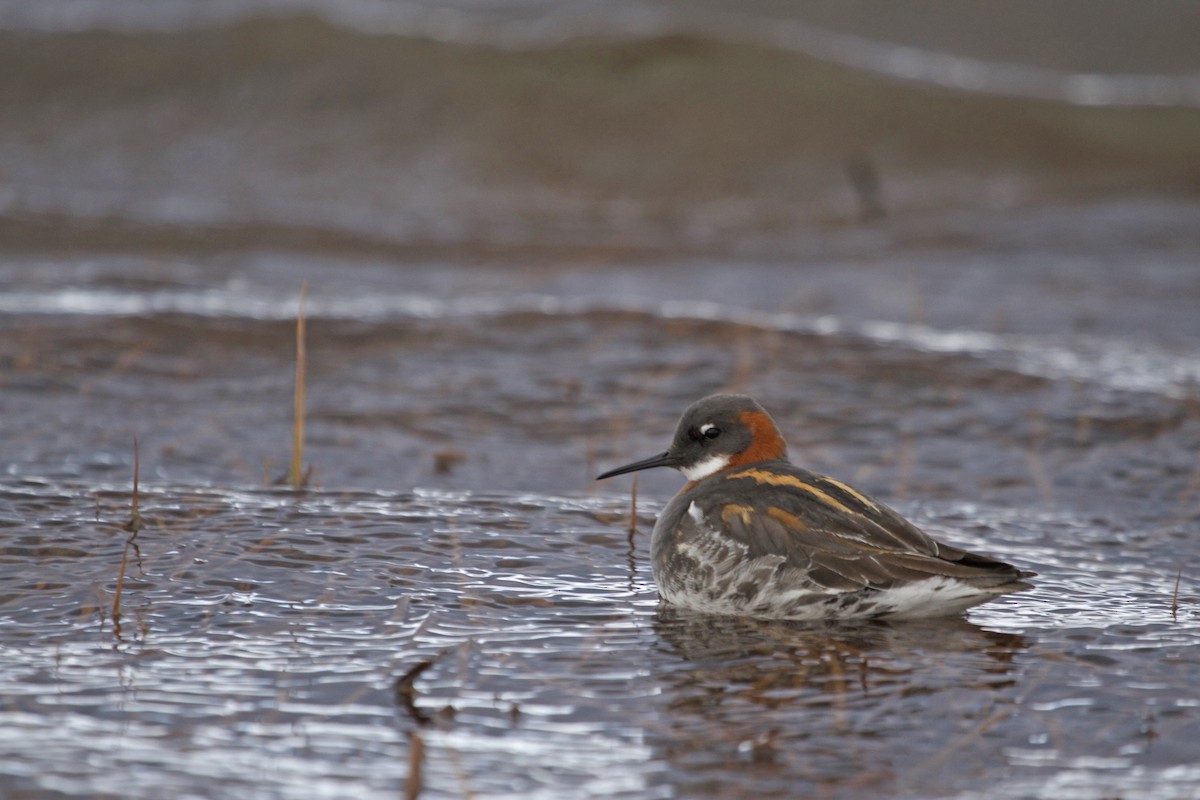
<point x="954" y="250"/>
<point x="496" y="633"/>
<point x="264" y="636"/>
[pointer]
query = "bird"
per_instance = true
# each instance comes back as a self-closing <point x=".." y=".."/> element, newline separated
<point x="753" y="535"/>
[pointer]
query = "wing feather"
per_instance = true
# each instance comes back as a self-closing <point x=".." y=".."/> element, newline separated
<point x="842" y="539"/>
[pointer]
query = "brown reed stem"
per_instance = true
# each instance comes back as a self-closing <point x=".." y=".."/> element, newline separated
<point x="416" y="759"/>
<point x="116" y="609"/>
<point x="133" y="526"/>
<point x="296" y="476"/>
<point x="1175" y="597"/>
<point x="633" y="508"/>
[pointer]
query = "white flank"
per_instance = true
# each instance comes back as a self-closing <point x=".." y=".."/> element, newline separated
<point x="773" y="598"/>
<point x="702" y="469"/>
<point x="695" y="513"/>
<point x="931" y="597"/>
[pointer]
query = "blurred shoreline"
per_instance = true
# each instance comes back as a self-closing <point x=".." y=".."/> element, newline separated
<point x="298" y="129"/>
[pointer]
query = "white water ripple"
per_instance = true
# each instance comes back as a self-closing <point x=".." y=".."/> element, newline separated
<point x="1111" y="363"/>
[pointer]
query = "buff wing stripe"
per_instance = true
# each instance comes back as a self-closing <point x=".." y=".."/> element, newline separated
<point x="860" y="497"/>
<point x="776" y="479"/>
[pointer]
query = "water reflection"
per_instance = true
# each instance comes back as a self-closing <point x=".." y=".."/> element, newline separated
<point x="827" y="707"/>
<point x="757" y="660"/>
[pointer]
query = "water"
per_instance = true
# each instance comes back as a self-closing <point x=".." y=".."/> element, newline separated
<point x="262" y="633"/>
<point x="530" y="237"/>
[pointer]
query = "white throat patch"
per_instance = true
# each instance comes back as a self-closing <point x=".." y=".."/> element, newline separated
<point x="702" y="469"/>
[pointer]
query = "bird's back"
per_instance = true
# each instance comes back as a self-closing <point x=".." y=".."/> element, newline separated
<point x="773" y="540"/>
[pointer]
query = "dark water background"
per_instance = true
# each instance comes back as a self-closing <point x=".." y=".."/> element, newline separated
<point x="954" y="249"/>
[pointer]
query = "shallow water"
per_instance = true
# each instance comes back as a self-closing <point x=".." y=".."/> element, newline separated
<point x="262" y="634"/>
<point x="530" y="238"/>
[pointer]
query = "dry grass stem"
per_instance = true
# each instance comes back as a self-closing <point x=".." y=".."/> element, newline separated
<point x="1175" y="597"/>
<point x="116" y="606"/>
<point x="416" y="759"/>
<point x="297" y="477"/>
<point x="133" y="525"/>
<point x="633" y="508"/>
<point x="405" y="691"/>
